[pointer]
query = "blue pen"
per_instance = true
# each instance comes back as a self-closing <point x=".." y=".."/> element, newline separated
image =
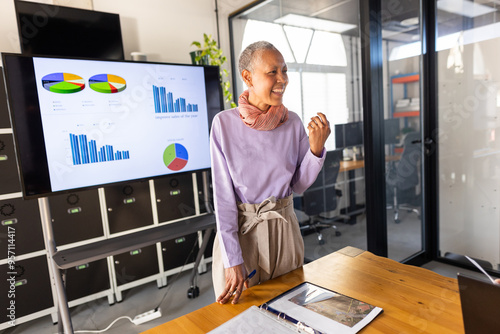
<point x="251" y="275"/>
<point x="246" y="279"/>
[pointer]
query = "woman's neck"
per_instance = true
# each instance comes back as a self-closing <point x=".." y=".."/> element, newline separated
<point x="262" y="106"/>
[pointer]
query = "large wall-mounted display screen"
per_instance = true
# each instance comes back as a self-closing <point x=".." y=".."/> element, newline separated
<point x="82" y="123"/>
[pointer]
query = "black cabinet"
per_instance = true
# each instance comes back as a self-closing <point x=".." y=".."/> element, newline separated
<point x="174" y="197"/>
<point x="136" y="264"/>
<point x="9" y="177"/>
<point x="180" y="251"/>
<point x="128" y="206"/>
<point x="4" y="111"/>
<point x="76" y="217"/>
<point x="30" y="285"/>
<point x="20" y="219"/>
<point x="87" y="279"/>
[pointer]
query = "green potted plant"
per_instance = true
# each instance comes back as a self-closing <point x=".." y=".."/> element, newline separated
<point x="210" y="54"/>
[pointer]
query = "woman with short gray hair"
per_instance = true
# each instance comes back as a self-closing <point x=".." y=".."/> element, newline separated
<point x="260" y="154"/>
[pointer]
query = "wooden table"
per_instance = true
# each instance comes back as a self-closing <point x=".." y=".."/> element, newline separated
<point x="415" y="300"/>
<point x="348" y="165"/>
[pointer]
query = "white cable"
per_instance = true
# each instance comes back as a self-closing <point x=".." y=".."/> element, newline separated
<point x="125" y="317"/>
<point x="88" y="331"/>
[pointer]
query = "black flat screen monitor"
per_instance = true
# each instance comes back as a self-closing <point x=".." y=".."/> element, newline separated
<point x="348" y="135"/>
<point x="64" y="31"/>
<point x="81" y="123"/>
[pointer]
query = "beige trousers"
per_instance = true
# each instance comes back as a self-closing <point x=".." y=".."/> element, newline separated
<point x="270" y="241"/>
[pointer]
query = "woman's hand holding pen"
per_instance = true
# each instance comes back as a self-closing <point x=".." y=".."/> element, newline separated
<point x="235" y="280"/>
<point x="319" y="130"/>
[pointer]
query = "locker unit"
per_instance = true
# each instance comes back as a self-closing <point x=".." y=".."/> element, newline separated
<point x="128" y="206"/>
<point x="4" y="111"/>
<point x="76" y="217"/>
<point x="32" y="286"/>
<point x="136" y="264"/>
<point x="87" y="279"/>
<point x="134" y="268"/>
<point x="23" y="218"/>
<point x="176" y="252"/>
<point x="174" y="197"/>
<point x="9" y="177"/>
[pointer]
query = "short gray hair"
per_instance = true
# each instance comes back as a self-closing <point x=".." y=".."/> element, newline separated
<point x="246" y="61"/>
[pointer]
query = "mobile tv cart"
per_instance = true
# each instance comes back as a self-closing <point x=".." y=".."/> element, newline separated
<point x="65" y="259"/>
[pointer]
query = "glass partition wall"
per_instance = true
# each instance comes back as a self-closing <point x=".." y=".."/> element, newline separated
<point x="468" y="40"/>
<point x="402" y="59"/>
<point x="434" y="66"/>
<point x="320" y="43"/>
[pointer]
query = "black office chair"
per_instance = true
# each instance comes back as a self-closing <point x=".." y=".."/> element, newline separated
<point x="403" y="178"/>
<point x="320" y="199"/>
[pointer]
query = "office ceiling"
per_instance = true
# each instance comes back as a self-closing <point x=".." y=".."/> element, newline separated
<point x="399" y="18"/>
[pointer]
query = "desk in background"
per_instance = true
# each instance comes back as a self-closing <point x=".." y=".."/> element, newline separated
<point x="350" y="167"/>
<point x="353" y="209"/>
<point x="415" y="300"/>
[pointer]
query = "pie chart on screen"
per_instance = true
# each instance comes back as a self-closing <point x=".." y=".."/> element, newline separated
<point x="107" y="83"/>
<point x="175" y="157"/>
<point x="63" y="83"/>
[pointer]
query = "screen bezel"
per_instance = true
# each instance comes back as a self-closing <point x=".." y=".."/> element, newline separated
<point x="24" y="111"/>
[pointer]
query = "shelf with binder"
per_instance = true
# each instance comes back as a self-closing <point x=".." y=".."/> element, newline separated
<point x="403" y="103"/>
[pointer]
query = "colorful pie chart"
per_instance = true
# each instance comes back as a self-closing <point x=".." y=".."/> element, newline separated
<point x="107" y="83"/>
<point x="175" y="157"/>
<point x="63" y="83"/>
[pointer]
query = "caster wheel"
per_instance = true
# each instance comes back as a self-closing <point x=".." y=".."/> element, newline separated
<point x="193" y="292"/>
<point x="338" y="234"/>
<point x="321" y="242"/>
<point x="397" y="221"/>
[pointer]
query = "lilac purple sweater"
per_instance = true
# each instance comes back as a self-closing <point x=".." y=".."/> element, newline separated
<point x="250" y="165"/>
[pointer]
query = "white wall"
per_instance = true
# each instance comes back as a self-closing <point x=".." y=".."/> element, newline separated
<point x="163" y="29"/>
<point x="9" y="41"/>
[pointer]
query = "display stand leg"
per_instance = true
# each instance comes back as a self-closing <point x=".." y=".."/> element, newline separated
<point x="193" y="291"/>
<point x="206" y="238"/>
<point x="50" y="243"/>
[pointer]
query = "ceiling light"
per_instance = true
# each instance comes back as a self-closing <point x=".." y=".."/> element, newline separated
<point x="474" y="35"/>
<point x="464" y="8"/>
<point x="314" y="23"/>
<point x="412" y="21"/>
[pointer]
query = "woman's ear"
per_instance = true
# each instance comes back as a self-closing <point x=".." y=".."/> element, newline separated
<point x="247" y="77"/>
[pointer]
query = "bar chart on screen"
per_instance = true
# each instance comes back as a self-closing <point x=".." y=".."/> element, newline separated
<point x="164" y="102"/>
<point x="84" y="151"/>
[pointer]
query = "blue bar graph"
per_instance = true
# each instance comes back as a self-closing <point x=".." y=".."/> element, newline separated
<point x="84" y="151"/>
<point x="164" y="102"/>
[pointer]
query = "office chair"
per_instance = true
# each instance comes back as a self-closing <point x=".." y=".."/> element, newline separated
<point x="403" y="178"/>
<point x="321" y="198"/>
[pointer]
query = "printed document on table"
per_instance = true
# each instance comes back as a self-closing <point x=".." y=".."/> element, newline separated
<point x="324" y="310"/>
